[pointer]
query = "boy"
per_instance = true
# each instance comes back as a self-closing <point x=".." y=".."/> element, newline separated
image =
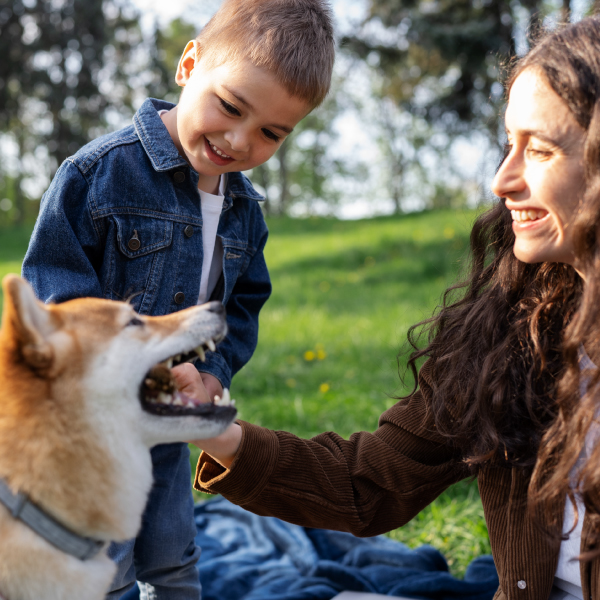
<point x="159" y="214"/>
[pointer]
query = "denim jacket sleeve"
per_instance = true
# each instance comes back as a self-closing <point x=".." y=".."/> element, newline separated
<point x="65" y="245"/>
<point x="251" y="290"/>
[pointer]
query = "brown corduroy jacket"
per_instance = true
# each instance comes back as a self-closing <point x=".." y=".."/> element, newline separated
<point x="375" y="482"/>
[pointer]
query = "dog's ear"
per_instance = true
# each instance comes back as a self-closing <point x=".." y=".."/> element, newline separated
<point x="31" y="322"/>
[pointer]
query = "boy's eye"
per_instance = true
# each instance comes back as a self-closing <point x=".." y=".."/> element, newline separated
<point x="271" y="135"/>
<point x="232" y="110"/>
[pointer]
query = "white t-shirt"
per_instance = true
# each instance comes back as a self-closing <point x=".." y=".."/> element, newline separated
<point x="568" y="575"/>
<point x="212" y="262"/>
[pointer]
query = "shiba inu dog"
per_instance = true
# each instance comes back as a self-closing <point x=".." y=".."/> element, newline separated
<point x="85" y="391"/>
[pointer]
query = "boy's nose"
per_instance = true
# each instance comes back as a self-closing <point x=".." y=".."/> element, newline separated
<point x="238" y="141"/>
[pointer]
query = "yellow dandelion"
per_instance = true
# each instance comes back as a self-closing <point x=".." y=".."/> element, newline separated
<point x="323" y="388"/>
<point x="321" y="354"/>
<point x="290" y="382"/>
<point x="449" y="233"/>
<point x="309" y="355"/>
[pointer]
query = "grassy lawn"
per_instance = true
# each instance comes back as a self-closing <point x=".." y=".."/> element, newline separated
<point x="345" y="293"/>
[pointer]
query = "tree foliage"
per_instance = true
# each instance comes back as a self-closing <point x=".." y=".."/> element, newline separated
<point x="440" y="58"/>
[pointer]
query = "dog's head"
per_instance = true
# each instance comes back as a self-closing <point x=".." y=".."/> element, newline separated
<point x="117" y="361"/>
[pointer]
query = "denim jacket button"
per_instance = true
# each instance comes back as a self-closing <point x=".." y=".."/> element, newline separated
<point x="134" y="243"/>
<point x="188" y="231"/>
<point x="179" y="177"/>
<point x="179" y="298"/>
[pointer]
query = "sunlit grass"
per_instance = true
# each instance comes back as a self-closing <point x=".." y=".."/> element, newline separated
<point x="344" y="296"/>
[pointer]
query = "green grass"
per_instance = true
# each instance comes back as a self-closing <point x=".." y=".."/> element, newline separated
<point x="344" y="296"/>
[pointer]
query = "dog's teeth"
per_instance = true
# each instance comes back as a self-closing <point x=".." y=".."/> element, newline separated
<point x="177" y="401"/>
<point x="164" y="398"/>
<point x="200" y="353"/>
<point x="225" y="400"/>
<point x="169" y="363"/>
<point x="178" y="358"/>
<point x="211" y="345"/>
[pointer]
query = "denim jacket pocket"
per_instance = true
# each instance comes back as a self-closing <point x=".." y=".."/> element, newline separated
<point x="142" y="244"/>
<point x="235" y="262"/>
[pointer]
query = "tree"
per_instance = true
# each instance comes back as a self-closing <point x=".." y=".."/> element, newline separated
<point x="67" y="69"/>
<point x="440" y="58"/>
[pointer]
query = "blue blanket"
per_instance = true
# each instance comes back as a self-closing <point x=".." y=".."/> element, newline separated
<point x="246" y="557"/>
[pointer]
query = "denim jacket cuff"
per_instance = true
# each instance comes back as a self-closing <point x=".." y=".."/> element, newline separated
<point x="215" y="365"/>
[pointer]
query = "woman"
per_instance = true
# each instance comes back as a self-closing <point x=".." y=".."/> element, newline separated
<point x="503" y="394"/>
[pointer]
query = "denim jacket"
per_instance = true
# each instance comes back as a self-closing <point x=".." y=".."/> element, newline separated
<point x="122" y="220"/>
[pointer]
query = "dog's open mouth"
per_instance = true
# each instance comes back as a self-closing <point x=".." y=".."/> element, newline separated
<point x="159" y="394"/>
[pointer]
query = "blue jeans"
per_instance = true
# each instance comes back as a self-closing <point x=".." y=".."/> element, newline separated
<point x="163" y="557"/>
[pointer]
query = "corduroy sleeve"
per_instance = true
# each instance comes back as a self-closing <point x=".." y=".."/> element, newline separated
<point x="368" y="484"/>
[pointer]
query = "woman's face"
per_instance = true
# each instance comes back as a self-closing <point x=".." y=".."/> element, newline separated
<point x="542" y="177"/>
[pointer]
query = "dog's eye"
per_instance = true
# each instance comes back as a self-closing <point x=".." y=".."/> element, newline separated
<point x="135" y="322"/>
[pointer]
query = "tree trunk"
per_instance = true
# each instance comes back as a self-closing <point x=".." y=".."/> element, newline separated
<point x="263" y="179"/>
<point x="18" y="191"/>
<point x="284" y="184"/>
<point x="565" y="12"/>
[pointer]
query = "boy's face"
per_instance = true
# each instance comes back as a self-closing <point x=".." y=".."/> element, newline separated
<point x="231" y="117"/>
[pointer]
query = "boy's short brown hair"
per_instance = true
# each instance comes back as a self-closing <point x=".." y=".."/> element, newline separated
<point x="293" y="39"/>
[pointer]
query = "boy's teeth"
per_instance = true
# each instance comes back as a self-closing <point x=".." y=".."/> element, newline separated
<point x="217" y="151"/>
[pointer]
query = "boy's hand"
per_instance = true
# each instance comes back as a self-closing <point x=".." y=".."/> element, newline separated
<point x="212" y="385"/>
<point x="189" y="382"/>
<point x="201" y="386"/>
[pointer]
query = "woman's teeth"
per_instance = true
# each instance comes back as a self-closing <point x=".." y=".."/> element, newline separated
<point x="527" y="215"/>
<point x="217" y="151"/>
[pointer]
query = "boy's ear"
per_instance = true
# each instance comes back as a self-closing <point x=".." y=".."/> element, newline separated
<point x="187" y="62"/>
<point x="30" y="321"/>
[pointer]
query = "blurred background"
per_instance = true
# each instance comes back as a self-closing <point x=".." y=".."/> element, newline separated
<point x="369" y="203"/>
<point x="410" y="124"/>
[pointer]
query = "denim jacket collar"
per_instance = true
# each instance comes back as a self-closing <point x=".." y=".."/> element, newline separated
<point x="164" y="156"/>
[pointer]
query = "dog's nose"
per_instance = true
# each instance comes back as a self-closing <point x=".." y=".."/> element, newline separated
<point x="216" y="307"/>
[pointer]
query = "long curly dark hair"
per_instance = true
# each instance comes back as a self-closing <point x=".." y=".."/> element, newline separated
<point x="506" y="342"/>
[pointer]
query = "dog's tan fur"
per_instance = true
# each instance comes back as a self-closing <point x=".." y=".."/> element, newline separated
<point x="59" y="448"/>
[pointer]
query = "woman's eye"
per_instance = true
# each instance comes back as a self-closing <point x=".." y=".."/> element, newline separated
<point x="135" y="322"/>
<point x="538" y="152"/>
<point x="232" y="110"/>
<point x="271" y="135"/>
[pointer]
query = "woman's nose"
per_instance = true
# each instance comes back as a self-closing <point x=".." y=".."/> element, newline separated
<point x="510" y="177"/>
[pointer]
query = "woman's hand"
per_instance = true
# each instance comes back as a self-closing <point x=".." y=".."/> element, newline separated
<point x="224" y="447"/>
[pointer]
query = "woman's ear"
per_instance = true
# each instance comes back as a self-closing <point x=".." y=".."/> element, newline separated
<point x="187" y="62"/>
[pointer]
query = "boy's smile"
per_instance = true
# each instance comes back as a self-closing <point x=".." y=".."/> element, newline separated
<point x="230" y="117"/>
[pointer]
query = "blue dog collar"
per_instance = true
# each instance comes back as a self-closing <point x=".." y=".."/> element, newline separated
<point x="21" y="508"/>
